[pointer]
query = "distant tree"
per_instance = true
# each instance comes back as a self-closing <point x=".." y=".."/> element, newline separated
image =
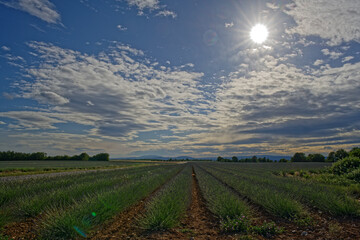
<point x="254" y="159"/>
<point x="355" y="152"/>
<point x="331" y="157"/>
<point x="220" y="159"/>
<point x="283" y="160"/>
<point x="234" y="159"/>
<point x="299" y="157"/>
<point x="84" y="157"/>
<point x="317" y="157"/>
<point x="340" y="154"/>
<point x="100" y="157"/>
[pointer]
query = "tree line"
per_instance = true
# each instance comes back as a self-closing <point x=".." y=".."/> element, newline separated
<point x="252" y="159"/>
<point x="19" y="156"/>
<point x="332" y="156"/>
<point x="301" y="157"/>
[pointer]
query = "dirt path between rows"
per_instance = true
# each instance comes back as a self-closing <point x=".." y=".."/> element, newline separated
<point x="125" y="225"/>
<point x="324" y="228"/>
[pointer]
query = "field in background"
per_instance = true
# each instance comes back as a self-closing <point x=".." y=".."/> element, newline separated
<point x="203" y="200"/>
<point x="10" y="168"/>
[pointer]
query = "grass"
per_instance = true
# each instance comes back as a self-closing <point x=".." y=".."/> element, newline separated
<point x="331" y="199"/>
<point x="33" y="197"/>
<point x="277" y="203"/>
<point x="17" y="168"/>
<point x="220" y="200"/>
<point x="169" y="205"/>
<point x="78" y="219"/>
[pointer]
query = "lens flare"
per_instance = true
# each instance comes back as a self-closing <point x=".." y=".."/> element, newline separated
<point x="259" y="33"/>
<point x="79" y="231"/>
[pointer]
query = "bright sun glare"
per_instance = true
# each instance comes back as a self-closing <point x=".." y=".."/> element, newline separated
<point x="259" y="33"/>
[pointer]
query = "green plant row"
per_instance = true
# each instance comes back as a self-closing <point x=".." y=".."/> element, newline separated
<point x="169" y="205"/>
<point x="10" y="191"/>
<point x="220" y="200"/>
<point x="331" y="199"/>
<point x="277" y="203"/>
<point x="79" y="218"/>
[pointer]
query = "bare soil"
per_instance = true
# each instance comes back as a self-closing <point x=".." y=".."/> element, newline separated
<point x="200" y="224"/>
<point x="324" y="227"/>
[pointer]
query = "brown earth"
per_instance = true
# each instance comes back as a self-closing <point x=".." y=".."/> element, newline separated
<point x="25" y="230"/>
<point x="200" y="223"/>
<point x="324" y="227"/>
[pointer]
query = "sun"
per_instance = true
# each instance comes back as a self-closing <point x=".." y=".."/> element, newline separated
<point x="259" y="33"/>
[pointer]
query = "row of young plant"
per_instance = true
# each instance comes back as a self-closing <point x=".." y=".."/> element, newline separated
<point x="234" y="213"/>
<point x="32" y="205"/>
<point x="73" y="209"/>
<point x="12" y="190"/>
<point x="331" y="199"/>
<point x="165" y="210"/>
<point x="276" y="203"/>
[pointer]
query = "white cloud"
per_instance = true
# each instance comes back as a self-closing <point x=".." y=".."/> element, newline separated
<point x="2" y="123"/>
<point x="42" y="9"/>
<point x="318" y="62"/>
<point x="121" y="28"/>
<point x="31" y="120"/>
<point x="346" y="59"/>
<point x="166" y="13"/>
<point x="333" y="55"/>
<point x="229" y="25"/>
<point x="272" y="6"/>
<point x="143" y="4"/>
<point x="335" y="20"/>
<point x="152" y="5"/>
<point x="118" y="92"/>
<point x="5" y="48"/>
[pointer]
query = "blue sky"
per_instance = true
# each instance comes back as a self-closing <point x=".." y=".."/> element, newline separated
<point x="145" y="77"/>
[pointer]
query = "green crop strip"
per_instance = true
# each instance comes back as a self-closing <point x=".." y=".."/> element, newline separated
<point x="331" y="199"/>
<point x="169" y="205"/>
<point x="79" y="218"/>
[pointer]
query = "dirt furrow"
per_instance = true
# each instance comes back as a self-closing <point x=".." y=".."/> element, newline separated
<point x="324" y="227"/>
<point x="199" y="222"/>
<point x="125" y="225"/>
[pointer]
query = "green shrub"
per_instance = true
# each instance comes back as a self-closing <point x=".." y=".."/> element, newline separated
<point x="267" y="230"/>
<point x="354" y="175"/>
<point x="346" y="165"/>
<point x="236" y="224"/>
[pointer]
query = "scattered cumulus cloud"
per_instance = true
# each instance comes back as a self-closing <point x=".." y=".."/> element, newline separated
<point x="121" y="28"/>
<point x="118" y="92"/>
<point x="318" y="62"/>
<point x="5" y="48"/>
<point x="143" y="4"/>
<point x="166" y="13"/>
<point x="334" y="20"/>
<point x="152" y="5"/>
<point x="346" y="59"/>
<point x="42" y="9"/>
<point x="229" y="25"/>
<point x="332" y="54"/>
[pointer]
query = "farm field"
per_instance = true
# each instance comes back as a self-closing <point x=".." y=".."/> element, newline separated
<point x="13" y="168"/>
<point x="194" y="200"/>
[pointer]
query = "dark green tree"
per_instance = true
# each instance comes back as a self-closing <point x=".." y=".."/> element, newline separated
<point x="84" y="157"/>
<point x="299" y="157"/>
<point x="331" y="157"/>
<point x="234" y="159"/>
<point x="317" y="157"/>
<point x="340" y="154"/>
<point x="355" y="152"/>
